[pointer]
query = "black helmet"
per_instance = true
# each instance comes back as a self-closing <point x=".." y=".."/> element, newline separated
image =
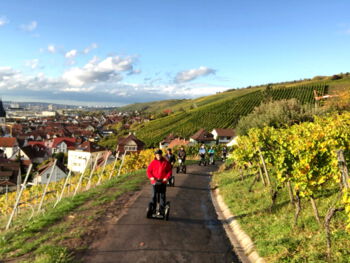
<point x="158" y="152"/>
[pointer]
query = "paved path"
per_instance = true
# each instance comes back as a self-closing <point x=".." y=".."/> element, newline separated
<point x="192" y="234"/>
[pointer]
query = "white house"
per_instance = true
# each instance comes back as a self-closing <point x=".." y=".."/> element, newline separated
<point x="9" y="145"/>
<point x="131" y="144"/>
<point x="62" y="145"/>
<point x="85" y="154"/>
<point x="223" y="136"/>
<point x="202" y="137"/>
<point x="44" y="173"/>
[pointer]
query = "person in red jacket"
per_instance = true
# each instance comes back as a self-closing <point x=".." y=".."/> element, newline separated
<point x="159" y="170"/>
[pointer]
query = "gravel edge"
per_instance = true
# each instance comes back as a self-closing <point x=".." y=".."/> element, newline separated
<point x="242" y="244"/>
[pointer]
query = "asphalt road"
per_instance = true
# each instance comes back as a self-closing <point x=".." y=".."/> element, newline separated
<point x="192" y="234"/>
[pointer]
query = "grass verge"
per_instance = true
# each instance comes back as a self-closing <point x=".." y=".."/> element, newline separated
<point x="275" y="236"/>
<point x="54" y="235"/>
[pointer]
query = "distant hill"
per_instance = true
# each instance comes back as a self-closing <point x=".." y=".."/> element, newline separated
<point x="224" y="109"/>
<point x="185" y="104"/>
<point x="335" y="83"/>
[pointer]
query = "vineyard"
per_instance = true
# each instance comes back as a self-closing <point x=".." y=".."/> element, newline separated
<point x="34" y="199"/>
<point x="307" y="161"/>
<point x="222" y="114"/>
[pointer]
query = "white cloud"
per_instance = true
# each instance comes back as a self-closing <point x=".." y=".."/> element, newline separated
<point x="188" y="75"/>
<point x="90" y="48"/>
<point x="33" y="64"/>
<point x="135" y="72"/>
<point x="51" y="49"/>
<point x="29" y="27"/>
<point x="100" y="81"/>
<point x="69" y="89"/>
<point x="71" y="54"/>
<point x="96" y="71"/>
<point x="3" y="20"/>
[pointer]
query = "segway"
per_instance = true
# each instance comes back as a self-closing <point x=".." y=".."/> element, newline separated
<point x="212" y="160"/>
<point x="181" y="168"/>
<point x="224" y="157"/>
<point x="155" y="210"/>
<point x="202" y="161"/>
<point x="171" y="181"/>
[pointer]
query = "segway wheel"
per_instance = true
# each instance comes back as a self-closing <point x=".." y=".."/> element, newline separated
<point x="177" y="170"/>
<point x="149" y="210"/>
<point x="167" y="211"/>
<point x="173" y="182"/>
<point x="184" y="169"/>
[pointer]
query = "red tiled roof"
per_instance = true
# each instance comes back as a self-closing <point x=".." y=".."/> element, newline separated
<point x="169" y="138"/>
<point x="132" y="137"/>
<point x="202" y="135"/>
<point x="90" y="147"/>
<point x="178" y="142"/>
<point x="8" y="141"/>
<point x="69" y="141"/>
<point x="33" y="143"/>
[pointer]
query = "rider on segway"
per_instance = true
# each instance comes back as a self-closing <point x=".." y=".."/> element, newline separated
<point x="159" y="171"/>
<point x="224" y="153"/>
<point x="211" y="153"/>
<point x="202" y="152"/>
<point x="181" y="158"/>
<point x="170" y="157"/>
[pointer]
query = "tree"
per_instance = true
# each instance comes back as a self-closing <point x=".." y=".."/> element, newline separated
<point x="276" y="114"/>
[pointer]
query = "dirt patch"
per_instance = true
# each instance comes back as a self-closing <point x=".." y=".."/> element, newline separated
<point x="88" y="229"/>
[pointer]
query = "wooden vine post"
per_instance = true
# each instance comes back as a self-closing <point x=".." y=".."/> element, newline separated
<point x="92" y="172"/>
<point x="114" y="164"/>
<point x="333" y="210"/>
<point x="63" y="188"/>
<point x="23" y="186"/>
<point x="122" y="163"/>
<point x="103" y="169"/>
<point x="344" y="169"/>
<point x="290" y="192"/>
<point x="262" y="176"/>
<point x="53" y="168"/>
<point x="265" y="168"/>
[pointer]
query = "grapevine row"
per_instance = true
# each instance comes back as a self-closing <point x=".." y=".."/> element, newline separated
<point x="31" y="196"/>
<point x="224" y="114"/>
<point x="303" y="158"/>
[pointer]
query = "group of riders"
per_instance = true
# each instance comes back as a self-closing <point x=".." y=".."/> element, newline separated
<point x="160" y="169"/>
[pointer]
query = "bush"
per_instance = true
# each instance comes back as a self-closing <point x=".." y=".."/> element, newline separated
<point x="336" y="77"/>
<point x="277" y="114"/>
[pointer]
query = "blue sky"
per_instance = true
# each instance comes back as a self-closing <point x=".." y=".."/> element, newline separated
<point x="120" y="52"/>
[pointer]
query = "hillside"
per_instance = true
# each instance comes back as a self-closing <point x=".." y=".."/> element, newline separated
<point x="185" y="104"/>
<point x="223" y="113"/>
<point x="335" y="83"/>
